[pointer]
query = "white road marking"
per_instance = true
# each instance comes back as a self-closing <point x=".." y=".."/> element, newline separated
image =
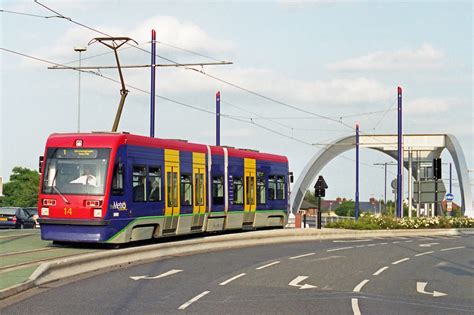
<point x="400" y="261"/>
<point x="355" y="306"/>
<point x="168" y="273"/>
<point x="428" y="244"/>
<point x="420" y="288"/>
<point x="340" y="248"/>
<point x="268" y="265"/>
<point x="295" y="283"/>
<point x="451" y="248"/>
<point x="380" y="271"/>
<point x="359" y="246"/>
<point x="360" y="285"/>
<point x="396" y="242"/>
<point x="304" y="255"/>
<point x="232" y="279"/>
<point x="194" y="299"/>
<point x="353" y="241"/>
<point x="327" y="258"/>
<point x="408" y="241"/>
<point x="425" y="253"/>
<point x="370" y="245"/>
<point x="383" y="243"/>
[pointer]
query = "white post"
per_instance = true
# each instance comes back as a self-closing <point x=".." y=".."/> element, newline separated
<point x="1" y="186"/>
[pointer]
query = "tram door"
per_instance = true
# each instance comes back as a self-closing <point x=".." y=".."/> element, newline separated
<point x="250" y="190"/>
<point x="171" y="191"/>
<point x="199" y="191"/>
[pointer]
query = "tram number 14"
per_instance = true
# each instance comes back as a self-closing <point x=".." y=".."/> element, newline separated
<point x="67" y="211"/>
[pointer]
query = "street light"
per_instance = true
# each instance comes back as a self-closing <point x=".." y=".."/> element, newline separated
<point x="79" y="49"/>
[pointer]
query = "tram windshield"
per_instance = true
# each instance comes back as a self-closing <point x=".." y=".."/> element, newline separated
<point x="75" y="171"/>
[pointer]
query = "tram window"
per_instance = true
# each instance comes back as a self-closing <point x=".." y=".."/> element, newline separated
<point x="117" y="180"/>
<point x="139" y="183"/>
<point x="272" y="187"/>
<point x="199" y="182"/>
<point x="280" y="187"/>
<point x="238" y="190"/>
<point x="261" y="198"/>
<point x="218" y="190"/>
<point x="186" y="190"/>
<point x="172" y="188"/>
<point x="154" y="176"/>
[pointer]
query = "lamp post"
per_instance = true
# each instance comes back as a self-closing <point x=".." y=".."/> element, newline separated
<point x="79" y="49"/>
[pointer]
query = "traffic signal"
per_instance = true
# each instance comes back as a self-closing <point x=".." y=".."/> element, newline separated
<point x="437" y="174"/>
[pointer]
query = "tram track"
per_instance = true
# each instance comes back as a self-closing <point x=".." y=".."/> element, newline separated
<point x="27" y="251"/>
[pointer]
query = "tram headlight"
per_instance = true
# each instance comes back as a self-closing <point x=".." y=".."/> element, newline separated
<point x="97" y="213"/>
<point x="45" y="211"/>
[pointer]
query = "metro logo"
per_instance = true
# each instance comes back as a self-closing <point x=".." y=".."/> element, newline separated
<point x="120" y="206"/>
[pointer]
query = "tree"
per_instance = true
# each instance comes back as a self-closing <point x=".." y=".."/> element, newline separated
<point x="22" y="189"/>
<point x="346" y="209"/>
<point x="309" y="196"/>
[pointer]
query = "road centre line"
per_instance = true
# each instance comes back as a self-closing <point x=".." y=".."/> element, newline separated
<point x="340" y="248"/>
<point x="232" y="279"/>
<point x="380" y="271"/>
<point x="194" y="299"/>
<point x="352" y="241"/>
<point x="400" y="261"/>
<point x="360" y="285"/>
<point x="304" y="255"/>
<point x="408" y="241"/>
<point x="370" y="245"/>
<point x="355" y="306"/>
<point x="383" y="243"/>
<point x="451" y="248"/>
<point x="360" y="246"/>
<point x="396" y="242"/>
<point x="268" y="265"/>
<point x="425" y="253"/>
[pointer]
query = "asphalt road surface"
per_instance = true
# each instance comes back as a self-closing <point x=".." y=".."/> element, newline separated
<point x="413" y="275"/>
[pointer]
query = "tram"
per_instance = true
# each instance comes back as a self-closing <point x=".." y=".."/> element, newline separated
<point x="119" y="187"/>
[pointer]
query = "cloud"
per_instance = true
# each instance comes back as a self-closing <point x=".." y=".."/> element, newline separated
<point x="427" y="105"/>
<point x="424" y="57"/>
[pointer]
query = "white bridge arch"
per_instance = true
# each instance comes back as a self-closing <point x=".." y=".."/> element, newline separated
<point x="426" y="146"/>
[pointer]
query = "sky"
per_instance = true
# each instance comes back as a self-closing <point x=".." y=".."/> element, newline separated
<point x="339" y="60"/>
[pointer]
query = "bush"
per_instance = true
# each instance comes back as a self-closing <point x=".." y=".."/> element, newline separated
<point x="372" y="222"/>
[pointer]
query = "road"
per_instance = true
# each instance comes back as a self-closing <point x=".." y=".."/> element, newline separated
<point x="370" y="276"/>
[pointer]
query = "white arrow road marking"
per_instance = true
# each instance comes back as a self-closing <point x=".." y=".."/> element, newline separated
<point x="168" y="273"/>
<point x="428" y="245"/>
<point x="420" y="288"/>
<point x="295" y="283"/>
<point x="194" y="299"/>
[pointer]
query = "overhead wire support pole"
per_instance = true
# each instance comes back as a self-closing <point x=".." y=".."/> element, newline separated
<point x="123" y="92"/>
<point x="400" y="157"/>
<point x="218" y="118"/>
<point x="357" y="174"/>
<point x="152" y="88"/>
